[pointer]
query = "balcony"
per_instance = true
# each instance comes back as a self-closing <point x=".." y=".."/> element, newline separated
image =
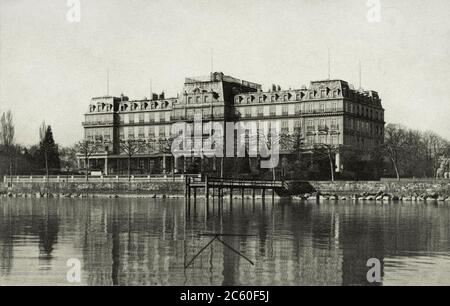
<point x="97" y="123"/>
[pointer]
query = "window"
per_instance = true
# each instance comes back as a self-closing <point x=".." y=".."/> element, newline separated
<point x="272" y="110"/>
<point x="107" y="134"/>
<point x="190" y="113"/>
<point x="206" y="99"/>
<point x="310" y="125"/>
<point x="151" y="117"/>
<point x="322" y="107"/>
<point x="248" y="112"/>
<point x="298" y="109"/>
<point x="190" y="100"/>
<point x="260" y="99"/>
<point x="311" y="95"/>
<point x="161" y="132"/>
<point x="218" y="112"/>
<point x="322" y="125"/>
<point x="141" y="133"/>
<point x="151" y="132"/>
<point x="206" y="112"/>
<point x="284" y="127"/>
<point x="130" y="133"/>
<point x="260" y="111"/>
<point x="322" y="139"/>
<point x="197" y="99"/>
<point x="334" y="139"/>
<point x="141" y="117"/>
<point x="334" y="124"/>
<point x="310" y="139"/>
<point x="297" y="126"/>
<point x="89" y="134"/>
<point x="285" y="110"/>
<point x="121" y="134"/>
<point x="322" y="94"/>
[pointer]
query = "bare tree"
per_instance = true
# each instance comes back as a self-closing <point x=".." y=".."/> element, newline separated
<point x="131" y="147"/>
<point x="87" y="148"/>
<point x="7" y="137"/>
<point x="329" y="150"/>
<point x="270" y="140"/>
<point x="436" y="147"/>
<point x="394" y="145"/>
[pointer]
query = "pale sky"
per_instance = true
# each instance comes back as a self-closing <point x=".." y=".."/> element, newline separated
<point x="50" y="68"/>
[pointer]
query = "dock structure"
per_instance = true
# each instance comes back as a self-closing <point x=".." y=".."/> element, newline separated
<point x="216" y="186"/>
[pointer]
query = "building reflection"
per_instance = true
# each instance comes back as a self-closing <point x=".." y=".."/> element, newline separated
<point x="149" y="241"/>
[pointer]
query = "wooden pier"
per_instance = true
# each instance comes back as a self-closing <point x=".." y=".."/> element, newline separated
<point x="215" y="187"/>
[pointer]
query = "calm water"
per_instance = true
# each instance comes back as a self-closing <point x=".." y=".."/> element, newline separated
<point x="148" y="242"/>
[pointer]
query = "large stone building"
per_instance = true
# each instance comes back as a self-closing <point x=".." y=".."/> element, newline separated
<point x="328" y="112"/>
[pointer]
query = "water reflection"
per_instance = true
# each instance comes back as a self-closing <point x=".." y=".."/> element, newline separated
<point x="149" y="241"/>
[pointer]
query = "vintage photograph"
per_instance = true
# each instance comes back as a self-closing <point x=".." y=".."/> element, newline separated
<point x="224" y="144"/>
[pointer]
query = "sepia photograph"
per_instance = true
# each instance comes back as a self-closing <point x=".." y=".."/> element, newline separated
<point x="225" y="151"/>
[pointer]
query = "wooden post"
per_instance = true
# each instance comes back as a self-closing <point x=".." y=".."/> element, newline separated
<point x="206" y="190"/>
<point x="185" y="190"/>
<point x="189" y="190"/>
<point x="253" y="194"/>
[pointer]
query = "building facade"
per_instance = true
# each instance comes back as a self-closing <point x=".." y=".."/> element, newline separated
<point x="328" y="112"/>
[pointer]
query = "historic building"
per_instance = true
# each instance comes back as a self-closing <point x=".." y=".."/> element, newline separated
<point x="329" y="113"/>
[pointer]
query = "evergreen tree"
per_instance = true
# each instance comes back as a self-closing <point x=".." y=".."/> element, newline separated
<point x="48" y="152"/>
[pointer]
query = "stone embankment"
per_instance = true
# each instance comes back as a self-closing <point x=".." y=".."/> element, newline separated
<point x="387" y="191"/>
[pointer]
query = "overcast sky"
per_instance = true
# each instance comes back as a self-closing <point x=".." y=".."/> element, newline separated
<point x="50" y="67"/>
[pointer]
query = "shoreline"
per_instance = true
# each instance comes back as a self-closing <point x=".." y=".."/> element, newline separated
<point x="317" y="196"/>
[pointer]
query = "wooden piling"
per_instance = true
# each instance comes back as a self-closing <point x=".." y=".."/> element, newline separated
<point x="206" y="190"/>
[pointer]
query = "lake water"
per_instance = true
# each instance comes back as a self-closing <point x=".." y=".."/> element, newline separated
<point x="149" y="242"/>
